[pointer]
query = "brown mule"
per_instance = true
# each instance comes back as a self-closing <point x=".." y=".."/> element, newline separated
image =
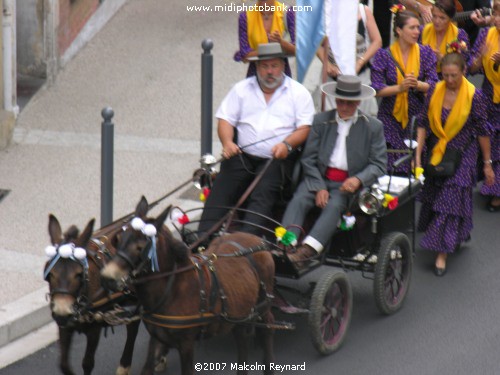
<point x="186" y="296"/>
<point x="77" y="298"/>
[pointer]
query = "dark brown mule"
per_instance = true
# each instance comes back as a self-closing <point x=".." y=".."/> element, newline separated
<point x="192" y="296"/>
<point x="77" y="300"/>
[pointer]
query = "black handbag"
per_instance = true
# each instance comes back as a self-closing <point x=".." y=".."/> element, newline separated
<point x="448" y="166"/>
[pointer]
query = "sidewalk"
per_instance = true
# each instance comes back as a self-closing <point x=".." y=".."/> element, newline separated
<point x="145" y="64"/>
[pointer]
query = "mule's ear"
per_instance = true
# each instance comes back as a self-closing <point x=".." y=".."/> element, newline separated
<point x="55" y="230"/>
<point x="162" y="217"/>
<point x="142" y="208"/>
<point x="84" y="238"/>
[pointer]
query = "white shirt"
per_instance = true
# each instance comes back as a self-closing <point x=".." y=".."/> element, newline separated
<point x="338" y="158"/>
<point x="266" y="124"/>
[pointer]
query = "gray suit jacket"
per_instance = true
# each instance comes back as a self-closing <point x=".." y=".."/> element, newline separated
<point x="366" y="150"/>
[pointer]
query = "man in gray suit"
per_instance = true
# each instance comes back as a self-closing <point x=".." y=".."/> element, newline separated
<point x="345" y="150"/>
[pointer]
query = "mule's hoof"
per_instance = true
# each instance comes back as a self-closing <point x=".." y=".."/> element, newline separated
<point x="161" y="365"/>
<point x="122" y="371"/>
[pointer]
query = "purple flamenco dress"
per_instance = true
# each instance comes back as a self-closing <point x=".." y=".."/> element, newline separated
<point x="384" y="73"/>
<point x="446" y="214"/>
<point x="493" y="119"/>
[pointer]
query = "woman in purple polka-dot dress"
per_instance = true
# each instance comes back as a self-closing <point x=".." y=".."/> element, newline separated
<point x="384" y="81"/>
<point x="446" y="213"/>
<point x="268" y="19"/>
<point x="476" y="65"/>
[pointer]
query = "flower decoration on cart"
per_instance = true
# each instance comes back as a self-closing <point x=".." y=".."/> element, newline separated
<point x="390" y="201"/>
<point x="66" y="251"/>
<point x="179" y="217"/>
<point x="204" y="194"/>
<point x="285" y="236"/>
<point x="347" y="222"/>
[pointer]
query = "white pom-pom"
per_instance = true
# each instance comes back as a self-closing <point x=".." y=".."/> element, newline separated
<point x="65" y="251"/>
<point x="50" y="251"/>
<point x="137" y="223"/>
<point x="176" y="214"/>
<point x="149" y="230"/>
<point x="80" y="253"/>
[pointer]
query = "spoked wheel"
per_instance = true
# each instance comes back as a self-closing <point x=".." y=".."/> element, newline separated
<point x="330" y="311"/>
<point x="392" y="272"/>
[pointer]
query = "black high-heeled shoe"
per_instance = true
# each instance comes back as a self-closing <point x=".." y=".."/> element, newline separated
<point x="439" y="271"/>
<point x="490" y="207"/>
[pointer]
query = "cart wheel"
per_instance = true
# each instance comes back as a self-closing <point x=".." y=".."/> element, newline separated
<point x="392" y="272"/>
<point x="330" y="312"/>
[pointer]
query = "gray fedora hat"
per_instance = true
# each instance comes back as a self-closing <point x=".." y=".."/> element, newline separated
<point x="268" y="51"/>
<point x="348" y="87"/>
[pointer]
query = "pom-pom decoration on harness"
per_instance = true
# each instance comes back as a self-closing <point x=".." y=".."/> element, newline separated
<point x="396" y="8"/>
<point x="50" y="251"/>
<point x="66" y="251"/>
<point x="79" y="253"/>
<point x="149" y="230"/>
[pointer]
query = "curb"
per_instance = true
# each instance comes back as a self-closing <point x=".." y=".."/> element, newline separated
<point x="23" y="316"/>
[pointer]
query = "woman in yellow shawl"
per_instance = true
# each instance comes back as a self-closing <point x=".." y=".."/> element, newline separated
<point x="268" y="21"/>
<point x="441" y="31"/>
<point x="485" y="59"/>
<point x="453" y="117"/>
<point x="401" y="75"/>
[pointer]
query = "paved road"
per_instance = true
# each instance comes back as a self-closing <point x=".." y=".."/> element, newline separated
<point x="447" y="326"/>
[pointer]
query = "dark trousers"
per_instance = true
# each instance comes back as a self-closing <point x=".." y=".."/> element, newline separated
<point x="235" y="175"/>
<point x="382" y="15"/>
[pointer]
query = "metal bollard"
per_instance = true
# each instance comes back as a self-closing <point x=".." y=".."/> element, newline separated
<point x="206" y="96"/>
<point x="107" y="150"/>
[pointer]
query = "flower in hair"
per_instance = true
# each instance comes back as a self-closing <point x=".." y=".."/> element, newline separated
<point x="396" y="8"/>
<point x="457" y="46"/>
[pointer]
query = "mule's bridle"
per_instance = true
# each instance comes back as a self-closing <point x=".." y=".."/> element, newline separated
<point x="80" y="292"/>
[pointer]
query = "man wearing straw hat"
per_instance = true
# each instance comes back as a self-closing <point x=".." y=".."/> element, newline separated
<point x="263" y="117"/>
<point x="345" y="151"/>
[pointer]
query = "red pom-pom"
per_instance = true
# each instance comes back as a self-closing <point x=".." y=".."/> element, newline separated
<point x="393" y="204"/>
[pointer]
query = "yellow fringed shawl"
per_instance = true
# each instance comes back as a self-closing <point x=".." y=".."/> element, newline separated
<point x="400" y="110"/>
<point x="494" y="77"/>
<point x="429" y="38"/>
<point x="456" y="119"/>
<point x="255" y="27"/>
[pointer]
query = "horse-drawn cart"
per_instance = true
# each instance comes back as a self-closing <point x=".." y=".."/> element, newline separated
<point x="379" y="242"/>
